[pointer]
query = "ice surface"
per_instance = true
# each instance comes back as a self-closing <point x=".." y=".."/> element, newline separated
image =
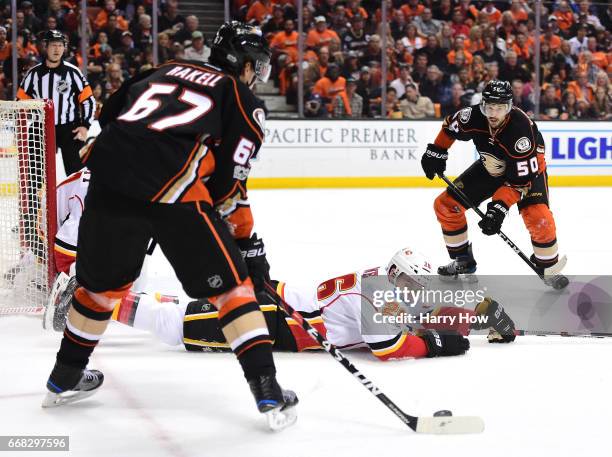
<point x="538" y="396"/>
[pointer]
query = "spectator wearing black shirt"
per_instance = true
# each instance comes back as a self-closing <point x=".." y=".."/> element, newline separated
<point x="435" y="54"/>
<point x="170" y="18"/>
<point x="355" y="38"/>
<point x="112" y="31"/>
<point x="275" y="23"/>
<point x="435" y="86"/>
<point x="443" y="12"/>
<point x="456" y="101"/>
<point x="31" y="22"/>
<point x="519" y="99"/>
<point x="191" y="25"/>
<point x="511" y="70"/>
<point x="372" y="52"/>
<point x="419" y="71"/>
<point x="550" y="105"/>
<point x="490" y="53"/>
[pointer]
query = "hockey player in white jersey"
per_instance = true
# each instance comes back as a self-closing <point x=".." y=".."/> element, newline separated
<point x="339" y="308"/>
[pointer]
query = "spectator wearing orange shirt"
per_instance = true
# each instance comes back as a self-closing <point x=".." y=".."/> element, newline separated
<point x="518" y="13"/>
<point x="412" y="9"/>
<point x="459" y="46"/>
<point x="599" y="57"/>
<point x="320" y="35"/>
<point x="549" y="36"/>
<point x="259" y="10"/>
<point x="475" y="42"/>
<point x="581" y="88"/>
<point x="492" y="13"/>
<point x="565" y="18"/>
<point x="286" y="41"/>
<point x="331" y="85"/>
<point x="354" y="7"/>
<point x="521" y="47"/>
<point x="101" y="19"/>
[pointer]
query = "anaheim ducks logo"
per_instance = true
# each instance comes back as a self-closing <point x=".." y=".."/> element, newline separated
<point x="494" y="165"/>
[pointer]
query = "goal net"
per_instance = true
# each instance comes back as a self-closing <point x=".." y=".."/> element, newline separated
<point x="28" y="217"/>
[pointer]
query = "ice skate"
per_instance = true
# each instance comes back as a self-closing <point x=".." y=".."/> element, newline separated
<point x="277" y="404"/>
<point x="87" y="383"/>
<point x="460" y="269"/>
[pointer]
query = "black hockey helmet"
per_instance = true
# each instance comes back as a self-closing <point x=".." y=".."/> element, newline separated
<point x="496" y="92"/>
<point x="54" y="35"/>
<point x="236" y="44"/>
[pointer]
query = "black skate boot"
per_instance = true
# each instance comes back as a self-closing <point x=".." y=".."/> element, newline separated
<point x="460" y="269"/>
<point x="551" y="274"/>
<point x="500" y="324"/>
<point x="60" y="298"/>
<point x="84" y="383"/>
<point x="276" y="403"/>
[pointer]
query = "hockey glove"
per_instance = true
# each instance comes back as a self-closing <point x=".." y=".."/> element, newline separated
<point x="254" y="255"/>
<point x="501" y="325"/>
<point x="445" y="343"/>
<point x="492" y="222"/>
<point x="434" y="160"/>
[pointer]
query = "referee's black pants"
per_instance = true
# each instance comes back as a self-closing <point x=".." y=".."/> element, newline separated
<point x="64" y="140"/>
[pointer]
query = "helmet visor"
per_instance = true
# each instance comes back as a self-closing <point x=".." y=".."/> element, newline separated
<point x="495" y="109"/>
<point x="263" y="69"/>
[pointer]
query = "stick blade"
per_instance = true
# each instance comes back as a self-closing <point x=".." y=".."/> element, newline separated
<point x="450" y="425"/>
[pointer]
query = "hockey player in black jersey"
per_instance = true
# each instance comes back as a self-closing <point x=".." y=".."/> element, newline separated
<point x="171" y="163"/>
<point x="511" y="170"/>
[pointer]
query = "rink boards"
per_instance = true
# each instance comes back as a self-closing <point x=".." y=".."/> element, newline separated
<point x="380" y="153"/>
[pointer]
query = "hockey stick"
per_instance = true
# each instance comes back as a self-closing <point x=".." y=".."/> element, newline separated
<point x="551" y="276"/>
<point x="563" y="334"/>
<point x="440" y="424"/>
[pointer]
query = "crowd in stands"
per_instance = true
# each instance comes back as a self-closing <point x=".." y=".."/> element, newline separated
<point x="120" y="38"/>
<point x="440" y="54"/>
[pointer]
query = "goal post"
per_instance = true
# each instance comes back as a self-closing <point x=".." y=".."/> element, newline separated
<point x="28" y="216"/>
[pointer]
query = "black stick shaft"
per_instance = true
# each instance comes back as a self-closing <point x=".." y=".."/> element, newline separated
<point x="407" y="419"/>
<point x="466" y="201"/>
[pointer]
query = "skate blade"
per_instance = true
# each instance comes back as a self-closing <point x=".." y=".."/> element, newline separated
<point x="53" y="400"/>
<point x="467" y="278"/>
<point x="279" y="419"/>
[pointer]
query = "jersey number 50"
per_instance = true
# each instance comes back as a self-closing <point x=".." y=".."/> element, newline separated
<point x="147" y="104"/>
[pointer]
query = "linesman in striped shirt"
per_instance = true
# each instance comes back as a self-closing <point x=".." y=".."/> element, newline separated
<point x="72" y="97"/>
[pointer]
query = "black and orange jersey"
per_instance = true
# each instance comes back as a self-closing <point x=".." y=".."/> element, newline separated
<point x="514" y="151"/>
<point x="183" y="132"/>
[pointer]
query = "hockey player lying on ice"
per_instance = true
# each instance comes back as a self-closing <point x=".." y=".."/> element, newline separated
<point x="335" y="308"/>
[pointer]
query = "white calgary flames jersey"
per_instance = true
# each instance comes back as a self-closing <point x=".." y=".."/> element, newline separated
<point x="343" y="308"/>
<point x="70" y="204"/>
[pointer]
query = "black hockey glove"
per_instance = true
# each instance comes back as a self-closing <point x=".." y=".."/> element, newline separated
<point x="434" y="160"/>
<point x="493" y="220"/>
<point x="445" y="343"/>
<point x="254" y="255"/>
<point x="501" y="325"/>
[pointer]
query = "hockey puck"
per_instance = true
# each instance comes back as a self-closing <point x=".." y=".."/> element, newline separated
<point x="443" y="413"/>
<point x="560" y="283"/>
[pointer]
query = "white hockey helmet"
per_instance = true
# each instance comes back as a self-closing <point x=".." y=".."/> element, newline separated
<point x="413" y="264"/>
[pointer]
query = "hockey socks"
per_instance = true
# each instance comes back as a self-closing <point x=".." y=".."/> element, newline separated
<point x="244" y="327"/>
<point x="86" y="323"/>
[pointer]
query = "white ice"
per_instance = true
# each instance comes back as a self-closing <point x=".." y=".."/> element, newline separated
<point x="538" y="396"/>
